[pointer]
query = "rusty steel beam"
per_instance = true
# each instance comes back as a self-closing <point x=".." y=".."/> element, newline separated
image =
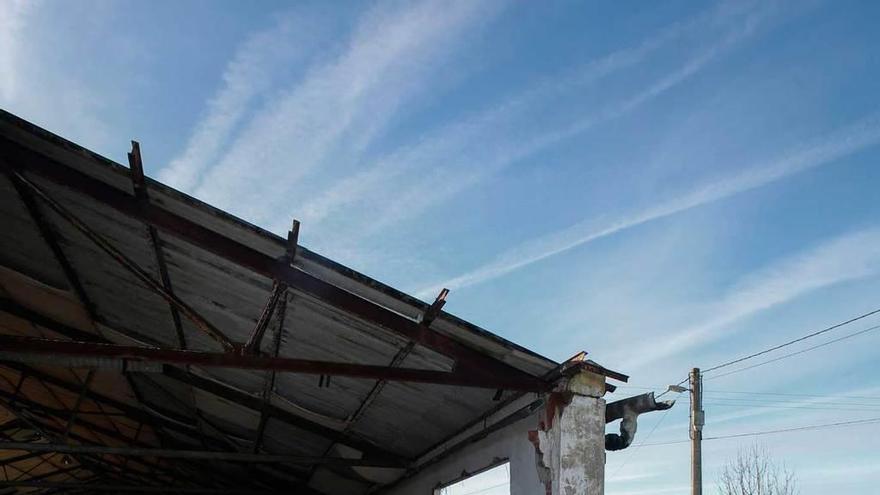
<point x="474" y="362"/>
<point x="139" y="184"/>
<point x="209" y="455"/>
<point x="129" y="264"/>
<point x="253" y="344"/>
<point x="255" y="403"/>
<point x="41" y="415"/>
<point x="49" y="235"/>
<point x="42" y="411"/>
<point x="269" y="384"/>
<point x="433" y="311"/>
<point x="52" y="432"/>
<point x="65" y="353"/>
<point x="279" y="290"/>
<point x="377" y="388"/>
<point x="215" y="388"/>
<point x="278" y="298"/>
<point x="427" y="317"/>
<point x="180" y="375"/>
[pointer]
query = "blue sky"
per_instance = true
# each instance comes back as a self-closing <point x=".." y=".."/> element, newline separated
<point x="664" y="185"/>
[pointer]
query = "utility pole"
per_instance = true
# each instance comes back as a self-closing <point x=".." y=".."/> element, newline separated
<point x="696" y="433"/>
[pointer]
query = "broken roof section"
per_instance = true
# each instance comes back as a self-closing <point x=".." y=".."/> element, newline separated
<point x="210" y="332"/>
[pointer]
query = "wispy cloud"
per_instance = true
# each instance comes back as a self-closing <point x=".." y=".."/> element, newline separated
<point x="39" y="85"/>
<point x="846" y="141"/>
<point x="849" y="257"/>
<point x="865" y="469"/>
<point x="492" y="141"/>
<point x="341" y="105"/>
<point x="249" y="74"/>
<point x="455" y="139"/>
<point x="13" y="16"/>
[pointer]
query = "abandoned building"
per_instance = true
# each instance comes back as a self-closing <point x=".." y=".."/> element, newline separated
<point x="150" y="343"/>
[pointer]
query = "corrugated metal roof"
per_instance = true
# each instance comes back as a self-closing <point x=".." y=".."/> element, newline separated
<point x="217" y="407"/>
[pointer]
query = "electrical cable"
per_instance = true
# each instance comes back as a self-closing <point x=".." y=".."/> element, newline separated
<point x="774" y="406"/>
<point x="796" y="402"/>
<point x="784" y="394"/>
<point x="784" y="356"/>
<point x="800" y="339"/>
<point x="770" y="432"/>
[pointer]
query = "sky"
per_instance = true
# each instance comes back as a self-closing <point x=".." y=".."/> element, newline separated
<point x="665" y="185"/>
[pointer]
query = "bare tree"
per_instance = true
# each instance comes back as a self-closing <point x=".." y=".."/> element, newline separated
<point x="753" y="472"/>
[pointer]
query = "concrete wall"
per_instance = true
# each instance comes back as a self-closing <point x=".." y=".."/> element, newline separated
<point x="563" y="455"/>
<point x="511" y="442"/>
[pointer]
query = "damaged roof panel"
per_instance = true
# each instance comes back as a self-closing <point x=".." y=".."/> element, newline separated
<point x="335" y="314"/>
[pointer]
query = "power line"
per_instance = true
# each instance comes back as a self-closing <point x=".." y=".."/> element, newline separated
<point x="784" y="356"/>
<point x="792" y="400"/>
<point x="773" y="394"/>
<point x="776" y="406"/>
<point x="771" y="432"/>
<point x="800" y="339"/>
<point x="801" y="428"/>
<point x="763" y="400"/>
<point x="868" y="397"/>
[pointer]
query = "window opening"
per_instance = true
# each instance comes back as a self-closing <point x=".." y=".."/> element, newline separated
<point x="492" y="481"/>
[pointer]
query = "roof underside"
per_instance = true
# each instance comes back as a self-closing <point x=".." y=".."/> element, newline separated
<point x="58" y="283"/>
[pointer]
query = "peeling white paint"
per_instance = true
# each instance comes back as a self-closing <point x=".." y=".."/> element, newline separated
<point x="571" y="444"/>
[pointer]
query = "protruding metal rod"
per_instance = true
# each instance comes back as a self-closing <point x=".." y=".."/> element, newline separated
<point x="279" y="289"/>
<point x="253" y="343"/>
<point x="252" y="259"/>
<point x="434" y="309"/>
<point x="139" y="184"/>
<point x="130" y="265"/>
<point x="269" y="384"/>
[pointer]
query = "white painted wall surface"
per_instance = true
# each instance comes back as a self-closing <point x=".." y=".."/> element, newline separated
<point x="511" y="442"/>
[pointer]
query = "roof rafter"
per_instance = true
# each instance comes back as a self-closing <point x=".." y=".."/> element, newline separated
<point x="139" y="184"/>
<point x="51" y="238"/>
<point x="45" y="411"/>
<point x="130" y="265"/>
<point x="38" y="412"/>
<point x="52" y="352"/>
<point x="204" y="384"/>
<point x="471" y="360"/>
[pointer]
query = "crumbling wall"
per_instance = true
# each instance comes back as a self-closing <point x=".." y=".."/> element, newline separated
<point x="570" y="440"/>
<point x="510" y="442"/>
<point x="559" y="449"/>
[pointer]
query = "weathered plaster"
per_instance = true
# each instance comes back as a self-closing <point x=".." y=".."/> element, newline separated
<point x="510" y="442"/>
<point x="568" y="456"/>
<point x="570" y="443"/>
